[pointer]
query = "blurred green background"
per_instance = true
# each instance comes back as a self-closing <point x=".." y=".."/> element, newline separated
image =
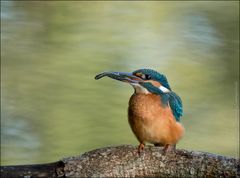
<point x="53" y="108"/>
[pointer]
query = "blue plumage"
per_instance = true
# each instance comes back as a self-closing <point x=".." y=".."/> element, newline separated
<point x="175" y="103"/>
<point x="155" y="76"/>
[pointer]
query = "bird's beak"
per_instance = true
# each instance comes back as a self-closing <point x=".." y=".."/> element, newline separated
<point x="121" y="76"/>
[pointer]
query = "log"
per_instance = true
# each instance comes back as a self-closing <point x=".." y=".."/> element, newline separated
<point x="36" y="170"/>
<point x="124" y="161"/>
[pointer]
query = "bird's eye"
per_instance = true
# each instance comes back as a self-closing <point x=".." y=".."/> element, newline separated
<point x="147" y="77"/>
<point x="143" y="76"/>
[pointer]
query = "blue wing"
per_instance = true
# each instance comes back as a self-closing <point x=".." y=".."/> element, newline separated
<point x="175" y="104"/>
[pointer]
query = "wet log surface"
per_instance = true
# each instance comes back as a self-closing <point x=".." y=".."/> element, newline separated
<point x="124" y="161"/>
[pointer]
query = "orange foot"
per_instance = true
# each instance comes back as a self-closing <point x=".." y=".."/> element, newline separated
<point x="140" y="148"/>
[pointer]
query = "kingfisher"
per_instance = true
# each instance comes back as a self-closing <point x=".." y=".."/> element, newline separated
<point x="154" y="110"/>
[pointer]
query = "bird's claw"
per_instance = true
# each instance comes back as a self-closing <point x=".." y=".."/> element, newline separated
<point x="168" y="149"/>
<point x="140" y="148"/>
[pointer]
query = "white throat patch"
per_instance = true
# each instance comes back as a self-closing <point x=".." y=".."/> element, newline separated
<point x="164" y="89"/>
<point x="139" y="89"/>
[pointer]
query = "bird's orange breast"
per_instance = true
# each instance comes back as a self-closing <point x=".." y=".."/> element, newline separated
<point x="151" y="121"/>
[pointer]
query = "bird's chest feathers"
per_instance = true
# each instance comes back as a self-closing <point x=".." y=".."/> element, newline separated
<point x="148" y="107"/>
<point x="152" y="121"/>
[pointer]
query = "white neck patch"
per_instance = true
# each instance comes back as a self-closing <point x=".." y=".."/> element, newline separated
<point x="164" y="89"/>
<point x="139" y="89"/>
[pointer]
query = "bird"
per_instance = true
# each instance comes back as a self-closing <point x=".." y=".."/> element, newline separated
<point x="154" y="110"/>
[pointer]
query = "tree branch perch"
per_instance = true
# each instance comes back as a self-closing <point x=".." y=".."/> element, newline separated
<point x="124" y="161"/>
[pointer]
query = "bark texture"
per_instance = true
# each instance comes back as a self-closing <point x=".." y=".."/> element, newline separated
<point x="124" y="161"/>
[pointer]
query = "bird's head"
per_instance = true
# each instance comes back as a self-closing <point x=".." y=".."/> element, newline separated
<point x="143" y="80"/>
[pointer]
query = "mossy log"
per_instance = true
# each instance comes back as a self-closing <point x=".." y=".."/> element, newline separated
<point x="124" y="161"/>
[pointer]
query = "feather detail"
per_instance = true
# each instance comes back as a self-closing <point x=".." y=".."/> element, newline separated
<point x="175" y="104"/>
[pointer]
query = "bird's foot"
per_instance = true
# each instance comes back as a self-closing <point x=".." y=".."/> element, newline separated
<point x="140" y="148"/>
<point x="168" y="149"/>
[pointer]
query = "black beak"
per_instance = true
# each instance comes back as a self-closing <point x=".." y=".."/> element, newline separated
<point x="121" y="76"/>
